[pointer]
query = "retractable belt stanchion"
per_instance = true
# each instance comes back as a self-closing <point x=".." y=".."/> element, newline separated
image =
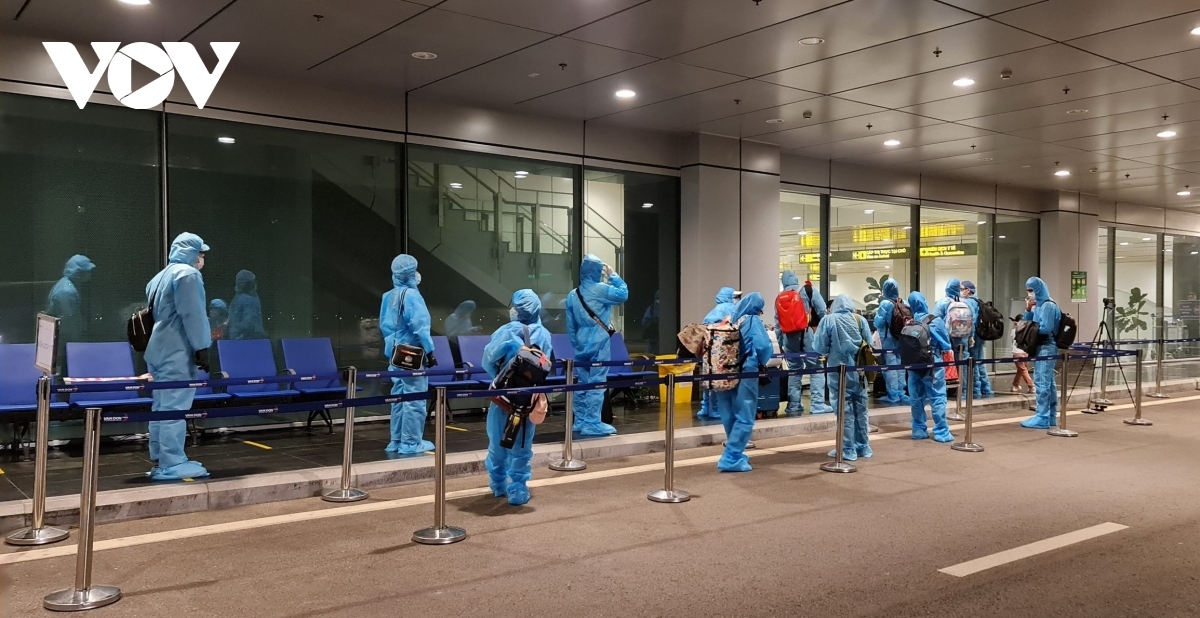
<point x="1158" y="371"/>
<point x="440" y="533"/>
<point x="346" y="493"/>
<point x="958" y="396"/>
<point x="668" y="494"/>
<point x="568" y="463"/>
<point x="1061" y="431"/>
<point x="1137" y="396"/>
<point x="968" y="445"/>
<point x="84" y="595"/>
<point x="838" y="465"/>
<point x="38" y="533"/>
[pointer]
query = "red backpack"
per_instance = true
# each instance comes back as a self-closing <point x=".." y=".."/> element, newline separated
<point x="792" y="314"/>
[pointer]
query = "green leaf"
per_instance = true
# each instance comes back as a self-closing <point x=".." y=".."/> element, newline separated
<point x="873" y="283"/>
<point x="882" y="280"/>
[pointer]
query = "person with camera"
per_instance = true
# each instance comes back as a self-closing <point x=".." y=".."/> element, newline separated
<point x="404" y="321"/>
<point x="589" y="326"/>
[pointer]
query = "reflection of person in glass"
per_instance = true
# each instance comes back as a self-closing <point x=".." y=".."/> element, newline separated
<point x="178" y="344"/>
<point x="218" y="318"/>
<point x="459" y="322"/>
<point x="245" y="314"/>
<point x="64" y="301"/>
<point x="650" y="320"/>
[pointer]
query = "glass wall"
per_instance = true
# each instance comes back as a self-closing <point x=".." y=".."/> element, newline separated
<point x="953" y="245"/>
<point x="800" y="235"/>
<point x="1181" y="286"/>
<point x="869" y="242"/>
<point x="1016" y="251"/>
<point x="1103" y="285"/>
<point x="1136" y="286"/>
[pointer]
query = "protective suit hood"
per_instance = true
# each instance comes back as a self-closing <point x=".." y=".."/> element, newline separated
<point x="790" y="280"/>
<point x="186" y="249"/>
<point x="953" y="288"/>
<point x="842" y="304"/>
<point x="891" y="290"/>
<point x="591" y="269"/>
<point x="1040" y="292"/>
<point x="245" y="282"/>
<point x="528" y="307"/>
<point x="916" y="302"/>
<point x="752" y="304"/>
<point x="467" y="306"/>
<point x="78" y="268"/>
<point x="404" y="271"/>
<point x="725" y="295"/>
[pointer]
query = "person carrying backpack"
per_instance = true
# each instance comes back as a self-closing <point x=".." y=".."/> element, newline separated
<point x="739" y="406"/>
<point x="888" y="322"/>
<point x="1040" y="308"/>
<point x="509" y="468"/>
<point x="982" y="384"/>
<point x="797" y="311"/>
<point x="724" y="309"/>
<point x="958" y="317"/>
<point x="927" y="384"/>
<point x="839" y="337"/>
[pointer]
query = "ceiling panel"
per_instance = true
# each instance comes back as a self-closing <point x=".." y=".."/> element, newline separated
<point x="553" y="16"/>
<point x="958" y="153"/>
<point x="1062" y="20"/>
<point x="690" y="111"/>
<point x="1027" y="66"/>
<point x="665" y="28"/>
<point x="824" y="109"/>
<point x="1193" y="167"/>
<point x="460" y="41"/>
<point x="1172" y="158"/>
<point x="883" y="125"/>
<point x="1134" y="137"/>
<point x="961" y="44"/>
<point x="1154" y="38"/>
<point x="296" y="40"/>
<point x="846" y="27"/>
<point x="991" y="7"/>
<point x="1115" y="123"/>
<point x="1045" y="92"/>
<point x="1151" y="98"/>
<point x="1160" y="147"/>
<point x="110" y="21"/>
<point x="862" y="146"/>
<point x="654" y="82"/>
<point x="507" y="81"/>
<point x="1181" y="66"/>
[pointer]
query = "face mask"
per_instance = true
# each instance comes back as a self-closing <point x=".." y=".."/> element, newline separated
<point x="512" y="315"/>
<point x="417" y="279"/>
<point x="200" y="262"/>
<point x="1030" y="296"/>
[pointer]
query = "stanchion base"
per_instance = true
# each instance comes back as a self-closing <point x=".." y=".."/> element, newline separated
<point x="345" y="495"/>
<point x="955" y="417"/>
<point x="1138" y="421"/>
<point x="439" y="536"/>
<point x="72" y="600"/>
<point x="967" y="447"/>
<point x="872" y="428"/>
<point x="669" y="496"/>
<point x="1158" y="395"/>
<point x="30" y="536"/>
<point x="1101" y="402"/>
<point x="1059" y="432"/>
<point x="1092" y="410"/>
<point x="833" y="466"/>
<point x="568" y="465"/>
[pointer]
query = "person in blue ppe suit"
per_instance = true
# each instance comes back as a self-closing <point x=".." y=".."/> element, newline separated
<point x="64" y="301"/>
<point x="722" y="311"/>
<point x="894" y="380"/>
<point x="838" y="337"/>
<point x="929" y="384"/>
<point x="218" y="318"/>
<point x="650" y="325"/>
<point x="508" y="468"/>
<point x="1040" y="308"/>
<point x="983" y="384"/>
<point x="178" y="345"/>
<point x="407" y="325"/>
<point x="591" y="340"/>
<point x="245" y="312"/>
<point x="953" y="293"/>
<point x="459" y="322"/>
<point x="739" y="406"/>
<point x="802" y="341"/>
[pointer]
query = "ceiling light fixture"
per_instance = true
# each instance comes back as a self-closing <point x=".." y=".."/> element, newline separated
<point x="801" y="233"/>
<point x="1077" y="111"/>
<point x="1167" y="134"/>
<point x="534" y="74"/>
<point x="812" y="40"/>
<point x="1062" y="173"/>
<point x="647" y="205"/>
<point x="625" y="94"/>
<point x="1146" y="238"/>
<point x="520" y="174"/>
<point x="892" y="142"/>
<point x="980" y="222"/>
<point x="797" y="218"/>
<point x="1186" y="192"/>
<point x="1123" y="244"/>
<point x="868" y="212"/>
<point x="907" y="227"/>
<point x="1196" y="31"/>
<point x="1003" y="237"/>
<point x="456" y="185"/>
<point x="424" y="55"/>
<point x="963" y="82"/>
<point x="1195" y="252"/>
<point x="775" y="121"/>
<point x="226" y="140"/>
<point x="143" y="2"/>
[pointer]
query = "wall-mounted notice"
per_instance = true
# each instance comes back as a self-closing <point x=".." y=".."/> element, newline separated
<point x="47" y="343"/>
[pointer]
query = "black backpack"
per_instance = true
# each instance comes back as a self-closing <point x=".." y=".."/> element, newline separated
<point x="1065" y="337"/>
<point x="901" y="314"/>
<point x="991" y="322"/>
<point x="1027" y="337"/>
<point x="916" y="345"/>
<point x="527" y="368"/>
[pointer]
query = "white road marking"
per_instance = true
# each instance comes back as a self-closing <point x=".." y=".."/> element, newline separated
<point x="1026" y="551"/>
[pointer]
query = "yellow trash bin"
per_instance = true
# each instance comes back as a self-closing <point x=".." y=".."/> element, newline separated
<point x="683" y="391"/>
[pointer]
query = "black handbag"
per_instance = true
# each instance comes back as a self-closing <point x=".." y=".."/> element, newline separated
<point x="141" y="324"/>
<point x="406" y="357"/>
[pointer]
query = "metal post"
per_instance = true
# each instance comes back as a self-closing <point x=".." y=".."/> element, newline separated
<point x="1137" y="396"/>
<point x="668" y="494"/>
<point x="38" y="533"/>
<point x="838" y="465"/>
<point x="84" y="595"/>
<point x="568" y="463"/>
<point x="440" y="533"/>
<point x="1158" y="371"/>
<point x="968" y="445"/>
<point x="346" y="493"/>
<point x="958" y="396"/>
<point x="1061" y="431"/>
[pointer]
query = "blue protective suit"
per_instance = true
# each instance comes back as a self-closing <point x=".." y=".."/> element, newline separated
<point x="409" y="328"/>
<point x="459" y="322"/>
<point x="838" y="337"/>
<point x="64" y="302"/>
<point x="883" y="324"/>
<point x="180" y="329"/>
<point x="982" y="386"/>
<point x="803" y="342"/>
<point x="509" y="469"/>
<point x="724" y="309"/>
<point x="929" y="384"/>
<point x="953" y="293"/>
<point x="1047" y="314"/>
<point x="591" y="341"/>
<point x="245" y="312"/>
<point x="739" y="406"/>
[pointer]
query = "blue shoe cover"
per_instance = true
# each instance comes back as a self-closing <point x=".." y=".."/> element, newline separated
<point x="846" y="456"/>
<point x="742" y="465"/>
<point x="596" y="429"/>
<point x="920" y="434"/>
<point x="816" y="411"/>
<point x="865" y="452"/>
<point x="185" y="470"/>
<point x="943" y="437"/>
<point x="1036" y="421"/>
<point x="518" y="494"/>
<point x="498" y="491"/>
<point x="400" y="449"/>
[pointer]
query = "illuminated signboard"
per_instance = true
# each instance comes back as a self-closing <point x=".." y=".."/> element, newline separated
<point x="810" y="258"/>
<point x="900" y="253"/>
<point x="947" y="250"/>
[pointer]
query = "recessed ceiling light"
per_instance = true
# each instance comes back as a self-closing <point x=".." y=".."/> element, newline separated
<point x="775" y="121"/>
<point x="801" y="233"/>
<point x="1062" y="173"/>
<point x="1196" y="31"/>
<point x="814" y="40"/>
<point x="1167" y="134"/>
<point x="892" y="142"/>
<point x="534" y="74"/>
<point x="868" y="212"/>
<point x="1077" y="111"/>
<point x="456" y="185"/>
<point x="424" y="55"/>
<point x="980" y="222"/>
<point x="1168" y="251"/>
<point x="1123" y="244"/>
<point x="226" y="140"/>
<point x="143" y="2"/>
<point x="1195" y="252"/>
<point x="797" y="218"/>
<point x="625" y="94"/>
<point x="907" y="227"/>
<point x="963" y="82"/>
<point x="1146" y="238"/>
<point x="1184" y="193"/>
<point x="986" y="159"/>
<point x="647" y="205"/>
<point x="1003" y="237"/>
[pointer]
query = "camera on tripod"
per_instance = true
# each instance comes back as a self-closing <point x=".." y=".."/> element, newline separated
<point x="1110" y="302"/>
